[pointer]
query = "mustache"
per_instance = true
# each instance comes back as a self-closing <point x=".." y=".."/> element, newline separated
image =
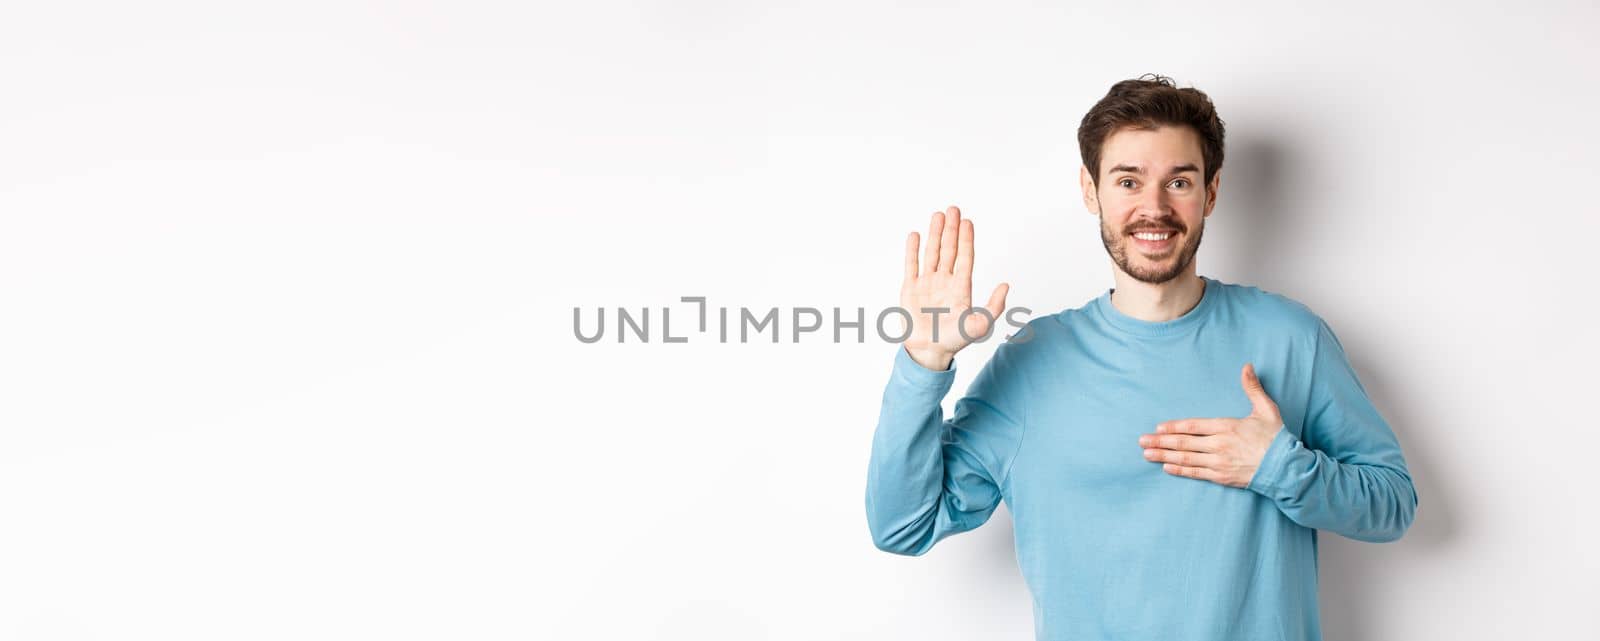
<point x="1161" y="226"/>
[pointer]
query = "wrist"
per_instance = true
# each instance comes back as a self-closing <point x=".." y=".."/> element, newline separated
<point x="935" y="360"/>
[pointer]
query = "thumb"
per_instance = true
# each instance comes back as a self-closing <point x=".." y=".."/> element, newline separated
<point x="1260" y="403"/>
<point x="997" y="301"/>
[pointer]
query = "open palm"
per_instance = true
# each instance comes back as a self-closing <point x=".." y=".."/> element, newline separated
<point x="939" y="290"/>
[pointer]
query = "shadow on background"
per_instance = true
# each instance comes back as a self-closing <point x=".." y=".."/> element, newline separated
<point x="1252" y="190"/>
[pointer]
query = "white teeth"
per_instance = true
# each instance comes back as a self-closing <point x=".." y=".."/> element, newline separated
<point x="1144" y="235"/>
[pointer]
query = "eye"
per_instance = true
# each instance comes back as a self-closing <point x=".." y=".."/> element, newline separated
<point x="1184" y="183"/>
<point x="1124" y="182"/>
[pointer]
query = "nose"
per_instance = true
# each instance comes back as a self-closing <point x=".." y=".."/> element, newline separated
<point x="1153" y="204"/>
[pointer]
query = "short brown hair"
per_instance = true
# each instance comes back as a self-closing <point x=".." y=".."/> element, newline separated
<point x="1145" y="103"/>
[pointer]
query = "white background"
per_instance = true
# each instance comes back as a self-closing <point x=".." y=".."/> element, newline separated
<point x="286" y="294"/>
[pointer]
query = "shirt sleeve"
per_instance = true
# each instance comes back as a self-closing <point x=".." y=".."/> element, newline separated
<point x="1348" y="475"/>
<point x="928" y="477"/>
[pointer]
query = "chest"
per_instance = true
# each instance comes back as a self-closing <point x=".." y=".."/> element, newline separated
<point x="1085" y="417"/>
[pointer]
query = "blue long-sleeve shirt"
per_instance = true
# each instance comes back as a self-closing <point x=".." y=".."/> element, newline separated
<point x="1111" y="545"/>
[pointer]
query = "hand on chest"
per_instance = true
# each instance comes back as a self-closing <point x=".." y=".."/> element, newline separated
<point x="1155" y="426"/>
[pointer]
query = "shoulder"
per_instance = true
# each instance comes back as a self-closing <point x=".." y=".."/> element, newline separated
<point x="1273" y="312"/>
<point x="1033" y="344"/>
<point x="1046" y="341"/>
<point x="1027" y="340"/>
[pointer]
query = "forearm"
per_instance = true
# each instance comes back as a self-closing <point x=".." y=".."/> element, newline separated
<point x="913" y="498"/>
<point x="1366" y="502"/>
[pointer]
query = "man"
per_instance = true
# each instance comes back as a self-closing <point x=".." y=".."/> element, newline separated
<point x="1167" y="451"/>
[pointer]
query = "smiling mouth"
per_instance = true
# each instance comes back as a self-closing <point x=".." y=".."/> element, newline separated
<point x="1154" y="241"/>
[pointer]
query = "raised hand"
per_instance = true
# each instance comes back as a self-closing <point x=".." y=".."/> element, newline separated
<point x="944" y="280"/>
<point x="1221" y="450"/>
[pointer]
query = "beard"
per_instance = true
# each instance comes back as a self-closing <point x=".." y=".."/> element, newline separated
<point x="1153" y="271"/>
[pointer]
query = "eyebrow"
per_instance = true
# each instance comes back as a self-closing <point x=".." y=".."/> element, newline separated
<point x="1135" y="169"/>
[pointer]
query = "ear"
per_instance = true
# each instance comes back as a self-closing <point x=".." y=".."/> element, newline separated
<point x="1211" y="191"/>
<point x="1086" y="182"/>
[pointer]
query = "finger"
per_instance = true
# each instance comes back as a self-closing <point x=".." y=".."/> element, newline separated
<point x="947" y="240"/>
<point x="1200" y="426"/>
<point x="912" y="242"/>
<point x="997" y="301"/>
<point x="1179" y="457"/>
<point x="1204" y="474"/>
<point x="930" y="259"/>
<point x="964" y="249"/>
<point x="1183" y="442"/>
<point x="1260" y="403"/>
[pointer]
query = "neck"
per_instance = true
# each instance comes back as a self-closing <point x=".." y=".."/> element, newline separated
<point x="1156" y="302"/>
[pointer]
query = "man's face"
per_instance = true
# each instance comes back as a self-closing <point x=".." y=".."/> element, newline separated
<point x="1151" y="204"/>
